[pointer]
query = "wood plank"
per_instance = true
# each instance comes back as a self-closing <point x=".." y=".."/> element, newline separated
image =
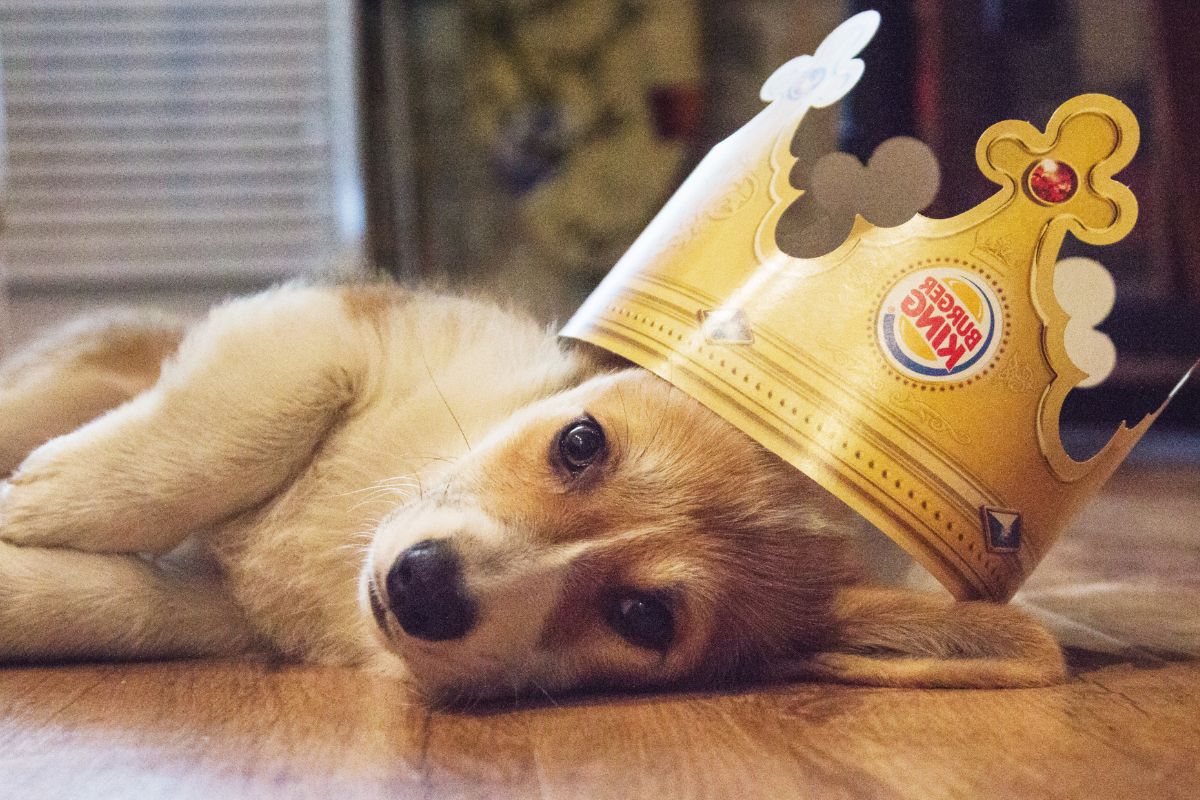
<point x="236" y="730"/>
<point x="206" y="730"/>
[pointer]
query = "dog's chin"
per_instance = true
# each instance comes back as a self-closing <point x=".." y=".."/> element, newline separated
<point x="456" y="679"/>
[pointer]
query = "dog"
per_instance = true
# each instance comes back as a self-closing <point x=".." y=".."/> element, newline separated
<point x="435" y="487"/>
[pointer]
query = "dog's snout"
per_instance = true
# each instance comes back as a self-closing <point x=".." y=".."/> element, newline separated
<point x="426" y="592"/>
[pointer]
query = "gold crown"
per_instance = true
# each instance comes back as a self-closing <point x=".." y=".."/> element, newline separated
<point x="916" y="372"/>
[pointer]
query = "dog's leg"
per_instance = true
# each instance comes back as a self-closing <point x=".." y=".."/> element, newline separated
<point x="899" y="637"/>
<point x="241" y="408"/>
<point x="62" y="381"/>
<point x="64" y="604"/>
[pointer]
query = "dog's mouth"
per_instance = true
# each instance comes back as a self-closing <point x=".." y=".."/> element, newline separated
<point x="378" y="609"/>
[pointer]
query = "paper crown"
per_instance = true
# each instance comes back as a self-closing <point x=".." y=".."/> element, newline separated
<point x="916" y="372"/>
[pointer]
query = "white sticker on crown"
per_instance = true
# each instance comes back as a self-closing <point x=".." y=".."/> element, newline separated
<point x="940" y="324"/>
<point x="827" y="75"/>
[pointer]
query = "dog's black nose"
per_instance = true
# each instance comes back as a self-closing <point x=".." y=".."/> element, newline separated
<point x="426" y="593"/>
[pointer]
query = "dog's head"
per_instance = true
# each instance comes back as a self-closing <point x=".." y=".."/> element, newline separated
<point x="621" y="534"/>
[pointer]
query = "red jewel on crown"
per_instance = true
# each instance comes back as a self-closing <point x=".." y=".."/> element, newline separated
<point x="1052" y="181"/>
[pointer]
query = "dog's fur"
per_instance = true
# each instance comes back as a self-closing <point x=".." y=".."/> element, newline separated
<point x="259" y="474"/>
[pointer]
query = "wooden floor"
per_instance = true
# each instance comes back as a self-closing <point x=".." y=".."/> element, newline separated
<point x="1125" y="587"/>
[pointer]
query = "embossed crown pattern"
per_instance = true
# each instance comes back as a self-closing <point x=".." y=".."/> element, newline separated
<point x="916" y="372"/>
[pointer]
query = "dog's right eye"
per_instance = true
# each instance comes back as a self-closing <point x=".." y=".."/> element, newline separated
<point x="642" y="619"/>
<point x="580" y="444"/>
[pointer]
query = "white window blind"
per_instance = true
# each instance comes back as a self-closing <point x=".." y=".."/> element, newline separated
<point x="174" y="141"/>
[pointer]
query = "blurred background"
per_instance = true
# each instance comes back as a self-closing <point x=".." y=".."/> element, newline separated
<point x="171" y="153"/>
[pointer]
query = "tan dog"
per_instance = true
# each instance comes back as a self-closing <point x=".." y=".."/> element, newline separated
<point x="435" y="486"/>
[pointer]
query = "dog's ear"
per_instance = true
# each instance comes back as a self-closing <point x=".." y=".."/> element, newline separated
<point x="898" y="637"/>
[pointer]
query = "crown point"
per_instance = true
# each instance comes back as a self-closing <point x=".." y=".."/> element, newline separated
<point x="1053" y="181"/>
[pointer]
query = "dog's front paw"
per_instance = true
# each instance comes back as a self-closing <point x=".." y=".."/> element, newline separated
<point x="5" y="493"/>
<point x="10" y="527"/>
<point x="45" y="505"/>
<point x="23" y="521"/>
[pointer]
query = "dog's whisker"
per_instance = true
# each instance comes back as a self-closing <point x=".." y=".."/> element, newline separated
<point x="445" y="402"/>
<point x="393" y="497"/>
<point x="547" y="694"/>
<point x="386" y="484"/>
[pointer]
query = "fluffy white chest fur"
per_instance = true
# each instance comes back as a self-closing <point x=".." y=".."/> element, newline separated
<point x="436" y="487"/>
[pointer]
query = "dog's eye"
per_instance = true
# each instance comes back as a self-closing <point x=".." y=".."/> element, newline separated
<point x="642" y="619"/>
<point x="580" y="444"/>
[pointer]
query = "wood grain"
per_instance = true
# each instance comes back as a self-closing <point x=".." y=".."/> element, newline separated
<point x="1128" y="723"/>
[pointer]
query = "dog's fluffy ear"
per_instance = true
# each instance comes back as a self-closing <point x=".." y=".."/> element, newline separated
<point x="897" y="637"/>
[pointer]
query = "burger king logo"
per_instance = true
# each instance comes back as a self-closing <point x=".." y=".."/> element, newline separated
<point x="939" y="325"/>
